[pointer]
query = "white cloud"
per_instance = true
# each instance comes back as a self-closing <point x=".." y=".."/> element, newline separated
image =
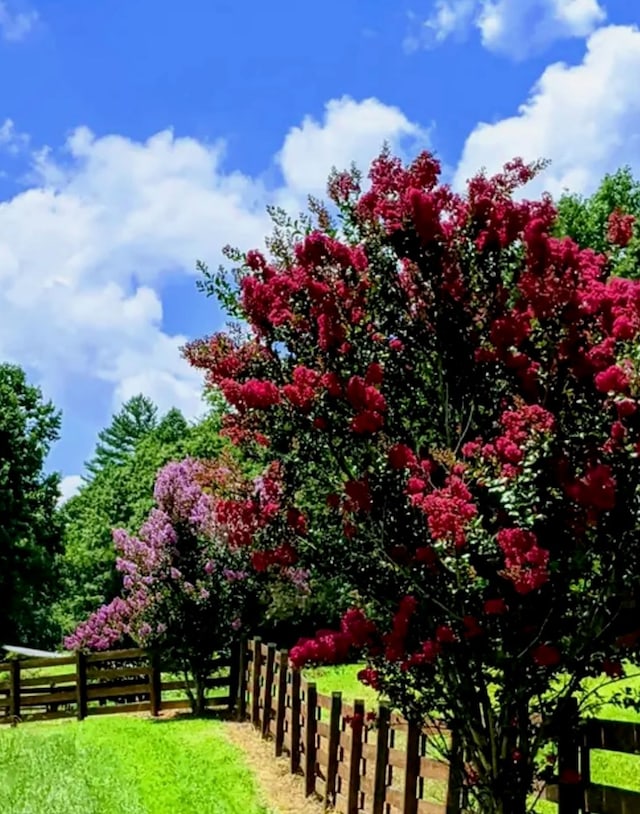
<point x="585" y="118"/>
<point x="515" y="28"/>
<point x="16" y="25"/>
<point x="69" y="486"/>
<point x="11" y="140"/>
<point x="109" y="211"/>
<point x="350" y="132"/>
<point x="86" y="249"/>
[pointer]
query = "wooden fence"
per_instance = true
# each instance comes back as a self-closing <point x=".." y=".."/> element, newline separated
<point x="389" y="768"/>
<point x="101" y="683"/>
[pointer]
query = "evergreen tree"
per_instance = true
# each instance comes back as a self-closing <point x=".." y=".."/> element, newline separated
<point x="137" y="418"/>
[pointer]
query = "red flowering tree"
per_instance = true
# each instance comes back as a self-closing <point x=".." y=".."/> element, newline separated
<point x="461" y="388"/>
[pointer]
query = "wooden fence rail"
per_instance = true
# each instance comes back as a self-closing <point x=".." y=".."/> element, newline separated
<point x="102" y="683"/>
<point x="391" y="768"/>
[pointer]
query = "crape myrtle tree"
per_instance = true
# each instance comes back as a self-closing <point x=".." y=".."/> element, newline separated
<point x="450" y="391"/>
<point x="188" y="586"/>
<point x="119" y="494"/>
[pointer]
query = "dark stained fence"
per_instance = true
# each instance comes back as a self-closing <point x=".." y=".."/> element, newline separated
<point x="103" y="683"/>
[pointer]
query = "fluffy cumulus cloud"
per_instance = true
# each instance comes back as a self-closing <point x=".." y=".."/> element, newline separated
<point x="16" y="24"/>
<point x="585" y="118"/>
<point x="85" y="249"/>
<point x="105" y="222"/>
<point x="350" y="132"/>
<point x="515" y="28"/>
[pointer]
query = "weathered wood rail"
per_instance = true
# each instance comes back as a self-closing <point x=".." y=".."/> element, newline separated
<point x="101" y="683"/>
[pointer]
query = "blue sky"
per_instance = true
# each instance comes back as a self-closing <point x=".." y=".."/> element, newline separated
<point x="138" y="137"/>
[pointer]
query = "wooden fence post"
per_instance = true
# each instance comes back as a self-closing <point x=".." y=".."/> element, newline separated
<point x="295" y="721"/>
<point x="310" y="730"/>
<point x="334" y="744"/>
<point x="268" y="690"/>
<point x="155" y="686"/>
<point x="569" y="793"/>
<point x="382" y="757"/>
<point x="81" y="685"/>
<point x="412" y="769"/>
<point x="281" y="700"/>
<point x="355" y="758"/>
<point x="243" y="680"/>
<point x="14" y="697"/>
<point x="255" y="681"/>
<point x="234" y="670"/>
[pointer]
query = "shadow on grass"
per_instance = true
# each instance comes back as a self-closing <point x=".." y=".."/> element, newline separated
<point x="187" y="715"/>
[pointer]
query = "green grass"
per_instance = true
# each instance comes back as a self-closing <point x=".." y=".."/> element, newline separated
<point x="342" y="678"/>
<point x="124" y="765"/>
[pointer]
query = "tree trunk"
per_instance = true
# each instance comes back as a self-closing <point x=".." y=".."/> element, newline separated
<point x="196" y="686"/>
<point x="200" y="696"/>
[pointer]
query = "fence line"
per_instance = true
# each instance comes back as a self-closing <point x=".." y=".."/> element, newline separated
<point x="353" y="767"/>
<point x="390" y="769"/>
<point x="102" y="683"/>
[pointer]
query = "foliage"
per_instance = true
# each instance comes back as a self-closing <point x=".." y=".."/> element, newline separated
<point x="137" y="418"/>
<point x="605" y="222"/>
<point x="186" y="591"/>
<point x="120" y="495"/>
<point x="461" y="386"/>
<point x="29" y="529"/>
<point x="124" y="765"/>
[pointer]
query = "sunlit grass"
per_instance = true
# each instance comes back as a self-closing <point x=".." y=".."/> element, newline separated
<point x="123" y="765"/>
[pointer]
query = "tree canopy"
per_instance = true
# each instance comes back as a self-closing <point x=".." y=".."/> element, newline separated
<point x="445" y="393"/>
<point x="120" y="495"/>
<point x="29" y="526"/>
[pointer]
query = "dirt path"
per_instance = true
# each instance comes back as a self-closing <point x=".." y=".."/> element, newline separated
<point x="281" y="792"/>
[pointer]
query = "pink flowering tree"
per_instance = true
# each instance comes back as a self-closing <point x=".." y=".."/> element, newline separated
<point x="449" y="393"/>
<point x="187" y="586"/>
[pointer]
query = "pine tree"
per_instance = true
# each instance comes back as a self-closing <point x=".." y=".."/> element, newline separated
<point x="137" y="418"/>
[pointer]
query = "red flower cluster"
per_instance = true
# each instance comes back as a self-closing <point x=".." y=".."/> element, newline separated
<point x="370" y="678"/>
<point x="449" y="509"/>
<point x="282" y="556"/>
<point x="546" y="655"/>
<point x="359" y="629"/>
<point x="238" y="520"/>
<point x="495" y="607"/>
<point x="395" y="640"/>
<point x="620" y="228"/>
<point x="259" y="395"/>
<point x="612" y="380"/>
<point x="358" y="496"/>
<point x="369" y="404"/>
<point x="525" y="562"/>
<point x="328" y="647"/>
<point x="333" y="646"/>
<point x="304" y="388"/>
<point x="400" y="456"/>
<point x="596" y="490"/>
<point x="522" y="426"/>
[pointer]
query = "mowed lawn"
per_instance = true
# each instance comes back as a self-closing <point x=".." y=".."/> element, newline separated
<point x="124" y="765"/>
